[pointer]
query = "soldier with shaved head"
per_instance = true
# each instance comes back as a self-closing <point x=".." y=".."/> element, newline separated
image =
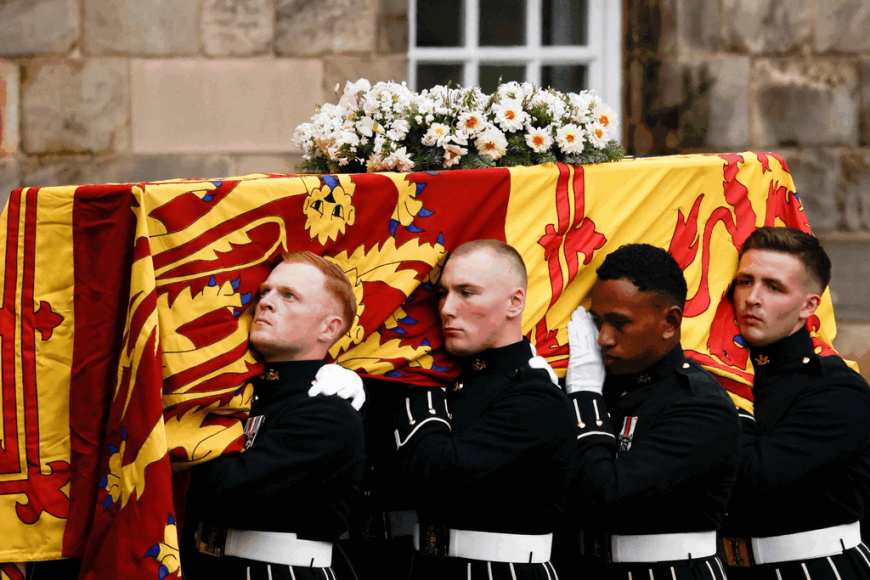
<point x="490" y="460"/>
<point x="274" y="510"/>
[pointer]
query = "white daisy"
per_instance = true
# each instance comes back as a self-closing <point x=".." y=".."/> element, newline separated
<point x="570" y="139"/>
<point x="509" y="115"/>
<point x="436" y="134"/>
<point x="597" y="135"/>
<point x="452" y="154"/>
<point x="491" y="143"/>
<point x="539" y="140"/>
<point x="471" y="123"/>
<point x="605" y="116"/>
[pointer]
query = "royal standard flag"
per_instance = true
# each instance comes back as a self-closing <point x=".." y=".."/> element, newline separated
<point x="125" y="312"/>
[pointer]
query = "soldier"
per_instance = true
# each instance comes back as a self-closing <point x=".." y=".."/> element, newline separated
<point x="274" y="510"/>
<point x="805" y="465"/>
<point x="491" y="459"/>
<point x="656" y="435"/>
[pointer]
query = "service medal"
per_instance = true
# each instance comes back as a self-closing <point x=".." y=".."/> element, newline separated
<point x="252" y="425"/>
<point x="625" y="435"/>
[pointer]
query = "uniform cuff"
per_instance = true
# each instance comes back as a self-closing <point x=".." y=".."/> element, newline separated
<point x="423" y="408"/>
<point x="591" y="415"/>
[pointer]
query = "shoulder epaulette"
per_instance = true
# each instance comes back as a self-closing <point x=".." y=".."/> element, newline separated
<point x="701" y="382"/>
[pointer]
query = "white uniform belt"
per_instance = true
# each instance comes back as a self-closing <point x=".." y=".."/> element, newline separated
<point x="806" y="545"/>
<point x="278" y="548"/>
<point x="495" y="547"/>
<point x="663" y="547"/>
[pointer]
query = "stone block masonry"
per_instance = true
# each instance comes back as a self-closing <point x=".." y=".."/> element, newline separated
<point x="9" y="108"/>
<point x="242" y="105"/>
<point x="96" y="90"/>
<point x="31" y="27"/>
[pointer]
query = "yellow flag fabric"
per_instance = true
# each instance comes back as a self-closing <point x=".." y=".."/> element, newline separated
<point x="126" y="311"/>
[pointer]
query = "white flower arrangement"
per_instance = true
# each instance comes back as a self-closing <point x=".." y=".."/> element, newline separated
<point x="388" y="127"/>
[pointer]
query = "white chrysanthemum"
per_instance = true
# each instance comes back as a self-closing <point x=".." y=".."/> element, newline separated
<point x="570" y="139"/>
<point x="491" y="143"/>
<point x="400" y="160"/>
<point x="436" y="134"/>
<point x="509" y="115"/>
<point x="597" y="135"/>
<point x="375" y="163"/>
<point x="452" y="154"/>
<point x="539" y="140"/>
<point x="471" y="123"/>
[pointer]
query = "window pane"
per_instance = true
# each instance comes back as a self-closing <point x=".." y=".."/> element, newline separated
<point x="565" y="78"/>
<point x="564" y="22"/>
<point x="439" y="23"/>
<point x="502" y="23"/>
<point x="429" y="75"/>
<point x="489" y="75"/>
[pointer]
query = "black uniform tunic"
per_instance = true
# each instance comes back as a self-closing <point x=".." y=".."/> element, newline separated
<point x="495" y="455"/>
<point x="673" y="475"/>
<point x="300" y="475"/>
<point x="805" y="461"/>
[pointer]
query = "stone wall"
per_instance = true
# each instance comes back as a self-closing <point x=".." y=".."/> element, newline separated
<point x="791" y="76"/>
<point x="95" y="91"/>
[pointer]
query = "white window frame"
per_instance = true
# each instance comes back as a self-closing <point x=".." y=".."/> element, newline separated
<point x="602" y="56"/>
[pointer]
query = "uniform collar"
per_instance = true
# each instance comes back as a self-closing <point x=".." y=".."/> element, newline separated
<point x="786" y="353"/>
<point x="651" y="375"/>
<point x="494" y="360"/>
<point x="287" y="375"/>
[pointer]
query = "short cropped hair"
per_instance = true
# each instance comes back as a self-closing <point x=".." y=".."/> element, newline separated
<point x="649" y="268"/>
<point x="803" y="246"/>
<point x="500" y="249"/>
<point x="335" y="283"/>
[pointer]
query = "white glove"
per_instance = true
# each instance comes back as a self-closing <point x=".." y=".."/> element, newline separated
<point x="539" y="362"/>
<point x="585" y="365"/>
<point x="336" y="380"/>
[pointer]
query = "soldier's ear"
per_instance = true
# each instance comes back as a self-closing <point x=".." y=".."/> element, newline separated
<point x="331" y="328"/>
<point x="811" y="304"/>
<point x="672" y="321"/>
<point x="516" y="304"/>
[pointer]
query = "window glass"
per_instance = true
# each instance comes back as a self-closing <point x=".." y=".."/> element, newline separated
<point x="439" y="23"/>
<point x="489" y="75"/>
<point x="564" y="23"/>
<point x="430" y="74"/>
<point x="502" y="22"/>
<point x="565" y="78"/>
